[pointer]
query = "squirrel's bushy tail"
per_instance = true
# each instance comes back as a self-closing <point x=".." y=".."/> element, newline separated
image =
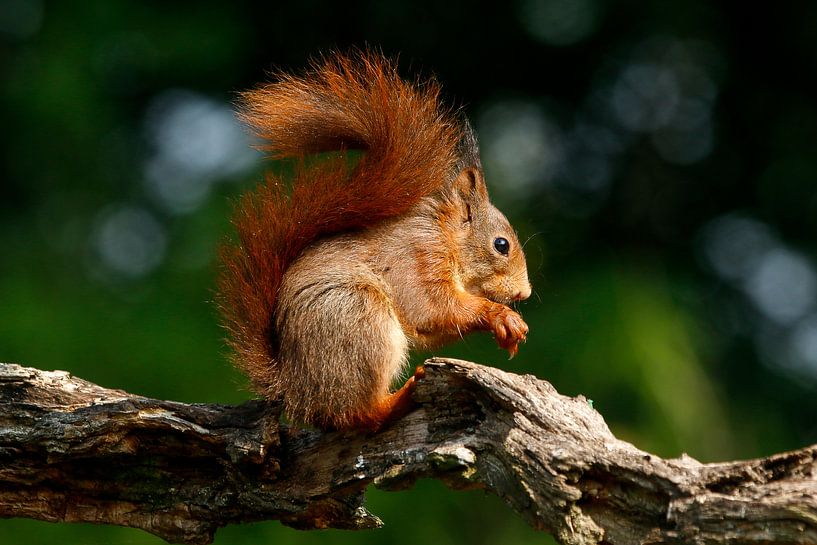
<point x="343" y="102"/>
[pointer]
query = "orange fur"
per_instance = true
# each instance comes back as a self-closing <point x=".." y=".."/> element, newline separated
<point x="343" y="102"/>
<point x="332" y="280"/>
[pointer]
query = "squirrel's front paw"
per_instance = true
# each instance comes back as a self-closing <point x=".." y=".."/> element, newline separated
<point x="509" y="329"/>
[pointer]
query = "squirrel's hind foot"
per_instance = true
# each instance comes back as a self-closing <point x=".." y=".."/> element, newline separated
<point x="390" y="409"/>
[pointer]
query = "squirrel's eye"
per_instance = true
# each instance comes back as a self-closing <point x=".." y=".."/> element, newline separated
<point x="502" y="245"/>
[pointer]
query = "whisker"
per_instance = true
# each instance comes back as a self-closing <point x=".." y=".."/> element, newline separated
<point x="541" y="260"/>
<point x="530" y="237"/>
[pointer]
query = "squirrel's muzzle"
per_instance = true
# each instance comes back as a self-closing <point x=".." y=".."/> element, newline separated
<point x="523" y="294"/>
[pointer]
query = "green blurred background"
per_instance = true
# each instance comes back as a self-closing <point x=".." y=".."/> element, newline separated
<point x="660" y="158"/>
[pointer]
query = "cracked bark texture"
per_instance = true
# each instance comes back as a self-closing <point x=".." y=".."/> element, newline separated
<point x="73" y="451"/>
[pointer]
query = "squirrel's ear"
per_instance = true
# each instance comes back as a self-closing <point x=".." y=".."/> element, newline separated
<point x="470" y="184"/>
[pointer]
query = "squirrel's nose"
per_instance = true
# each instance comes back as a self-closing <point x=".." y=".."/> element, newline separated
<point x="523" y="294"/>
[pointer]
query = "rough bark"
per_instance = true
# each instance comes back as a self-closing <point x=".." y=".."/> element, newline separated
<point x="74" y="451"/>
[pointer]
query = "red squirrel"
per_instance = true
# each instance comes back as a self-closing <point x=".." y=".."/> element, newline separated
<point x="367" y="255"/>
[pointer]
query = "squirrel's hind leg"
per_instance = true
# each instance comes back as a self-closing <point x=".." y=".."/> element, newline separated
<point x="341" y="347"/>
<point x="389" y="408"/>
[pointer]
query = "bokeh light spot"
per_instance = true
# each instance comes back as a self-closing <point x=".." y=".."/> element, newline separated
<point x="784" y="286"/>
<point x="734" y="244"/>
<point x="520" y="146"/>
<point x="559" y="22"/>
<point x="645" y="97"/>
<point x="197" y="142"/>
<point x="129" y="241"/>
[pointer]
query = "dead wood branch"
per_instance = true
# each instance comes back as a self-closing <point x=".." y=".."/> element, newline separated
<point x="74" y="451"/>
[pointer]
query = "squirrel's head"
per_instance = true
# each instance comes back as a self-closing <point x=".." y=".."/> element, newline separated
<point x="490" y="258"/>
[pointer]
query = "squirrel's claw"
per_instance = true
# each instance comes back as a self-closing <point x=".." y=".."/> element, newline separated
<point x="513" y="351"/>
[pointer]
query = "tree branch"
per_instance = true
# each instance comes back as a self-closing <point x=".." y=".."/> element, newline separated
<point x="74" y="451"/>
